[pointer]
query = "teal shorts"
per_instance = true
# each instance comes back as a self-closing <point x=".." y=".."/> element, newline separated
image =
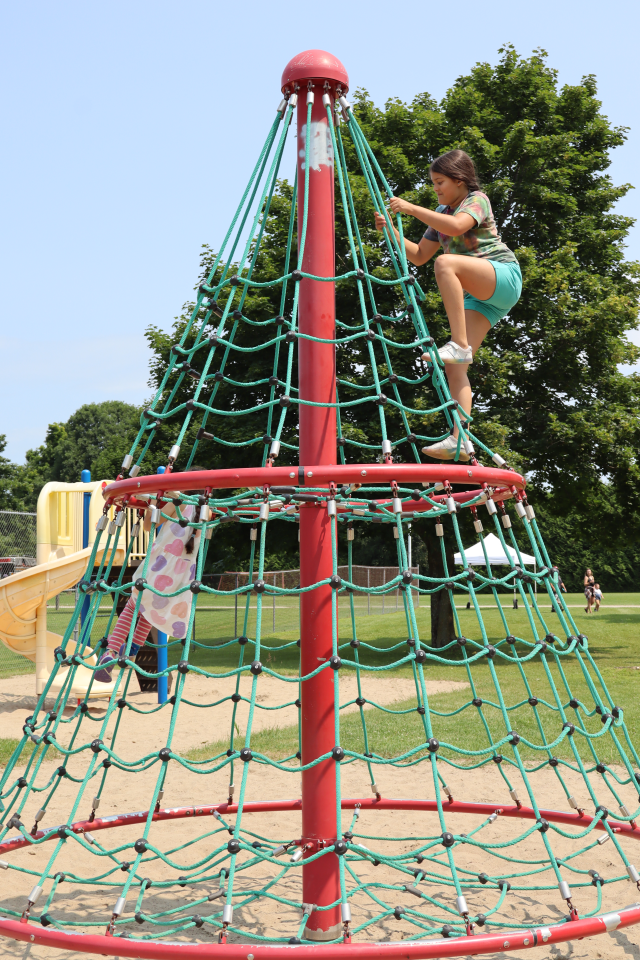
<point x="505" y="296"/>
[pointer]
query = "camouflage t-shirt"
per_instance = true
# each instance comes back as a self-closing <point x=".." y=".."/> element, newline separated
<point x="482" y="240"/>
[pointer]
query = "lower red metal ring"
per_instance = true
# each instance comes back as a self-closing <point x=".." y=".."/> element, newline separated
<point x="403" y="950"/>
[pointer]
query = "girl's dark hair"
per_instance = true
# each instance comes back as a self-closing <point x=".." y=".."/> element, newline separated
<point x="459" y="166"/>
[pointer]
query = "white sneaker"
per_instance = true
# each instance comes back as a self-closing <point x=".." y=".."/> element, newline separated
<point x="446" y="450"/>
<point x="452" y="353"/>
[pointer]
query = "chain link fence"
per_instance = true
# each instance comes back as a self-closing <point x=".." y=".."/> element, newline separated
<point x="17" y="541"/>
<point x="17" y="552"/>
<point x="214" y="613"/>
<point x="283" y="612"/>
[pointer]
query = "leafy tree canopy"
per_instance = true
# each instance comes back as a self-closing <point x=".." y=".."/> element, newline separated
<point x="547" y="378"/>
<point x="549" y="393"/>
<point x="8" y="499"/>
<point x="93" y="438"/>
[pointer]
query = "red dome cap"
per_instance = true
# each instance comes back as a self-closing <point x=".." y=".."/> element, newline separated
<point x="315" y="65"/>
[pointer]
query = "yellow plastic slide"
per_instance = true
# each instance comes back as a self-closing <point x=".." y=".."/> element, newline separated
<point x="61" y="564"/>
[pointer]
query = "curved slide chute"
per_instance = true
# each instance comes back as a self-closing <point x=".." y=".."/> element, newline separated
<point x="61" y="565"/>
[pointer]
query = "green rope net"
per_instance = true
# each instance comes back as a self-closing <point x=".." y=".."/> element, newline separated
<point x="556" y="722"/>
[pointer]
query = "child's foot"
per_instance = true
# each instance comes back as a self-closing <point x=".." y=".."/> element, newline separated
<point x="446" y="450"/>
<point x="132" y="652"/>
<point x="104" y="675"/>
<point x="453" y="353"/>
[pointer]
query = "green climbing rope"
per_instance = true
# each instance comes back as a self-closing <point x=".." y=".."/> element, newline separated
<point x="433" y="865"/>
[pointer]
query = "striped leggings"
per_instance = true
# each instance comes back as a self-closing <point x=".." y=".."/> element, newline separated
<point x="123" y="626"/>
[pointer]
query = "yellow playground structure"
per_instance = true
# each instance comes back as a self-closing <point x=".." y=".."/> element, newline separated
<point x="67" y="514"/>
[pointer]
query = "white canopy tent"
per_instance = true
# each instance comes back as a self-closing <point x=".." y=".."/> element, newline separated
<point x="495" y="552"/>
<point x="497" y="557"/>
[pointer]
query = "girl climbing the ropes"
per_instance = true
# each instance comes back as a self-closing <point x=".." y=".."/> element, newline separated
<point x="478" y="276"/>
<point x="172" y="565"/>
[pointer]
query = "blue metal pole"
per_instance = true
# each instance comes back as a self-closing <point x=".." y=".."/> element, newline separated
<point x="85" y="477"/>
<point x="163" y="662"/>
<point x="163" y="659"/>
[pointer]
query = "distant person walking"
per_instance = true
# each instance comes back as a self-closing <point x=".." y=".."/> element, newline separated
<point x="589" y="589"/>
<point x="597" y="596"/>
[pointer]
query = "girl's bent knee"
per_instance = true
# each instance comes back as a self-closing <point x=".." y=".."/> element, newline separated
<point x="443" y="264"/>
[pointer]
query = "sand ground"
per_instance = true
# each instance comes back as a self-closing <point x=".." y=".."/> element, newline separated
<point x="126" y="793"/>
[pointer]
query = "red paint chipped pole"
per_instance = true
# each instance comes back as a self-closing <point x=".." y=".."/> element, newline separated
<point x="316" y="72"/>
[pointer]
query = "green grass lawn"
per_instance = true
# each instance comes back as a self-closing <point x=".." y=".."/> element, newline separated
<point x="614" y="642"/>
<point x="9" y="744"/>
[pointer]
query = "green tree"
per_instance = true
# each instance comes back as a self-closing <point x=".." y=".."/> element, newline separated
<point x="93" y="438"/>
<point x="548" y="377"/>
<point x="7" y="478"/>
<point x="570" y="541"/>
<point x="549" y="393"/>
<point x="20" y="483"/>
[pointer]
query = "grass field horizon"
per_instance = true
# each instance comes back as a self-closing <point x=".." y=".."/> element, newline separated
<point x="614" y="642"/>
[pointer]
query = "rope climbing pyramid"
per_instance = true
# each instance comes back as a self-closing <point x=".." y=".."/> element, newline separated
<point x="513" y="792"/>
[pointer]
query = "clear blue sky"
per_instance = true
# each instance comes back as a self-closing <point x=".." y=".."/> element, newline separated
<point x="129" y="130"/>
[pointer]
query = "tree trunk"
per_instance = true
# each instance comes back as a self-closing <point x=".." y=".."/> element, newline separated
<point x="442" y="624"/>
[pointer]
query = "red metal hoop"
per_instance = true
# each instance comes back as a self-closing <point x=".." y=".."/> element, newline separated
<point x="502" y="482"/>
<point x="291" y="806"/>
<point x="404" y="950"/>
<point x="27" y="932"/>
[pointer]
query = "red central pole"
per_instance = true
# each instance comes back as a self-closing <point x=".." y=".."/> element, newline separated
<point x="317" y="382"/>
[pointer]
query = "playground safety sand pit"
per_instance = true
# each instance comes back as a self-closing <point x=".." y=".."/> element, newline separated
<point x="18" y="700"/>
<point x="127" y="793"/>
